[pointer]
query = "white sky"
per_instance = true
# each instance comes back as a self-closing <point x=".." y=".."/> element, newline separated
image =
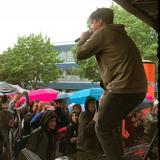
<point x="61" y="20"/>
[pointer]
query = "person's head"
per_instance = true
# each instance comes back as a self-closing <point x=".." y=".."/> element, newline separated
<point x="34" y="106"/>
<point x="62" y="103"/>
<point x="91" y="104"/>
<point x="6" y="122"/>
<point x="49" y="120"/>
<point x="6" y="119"/>
<point x="3" y="101"/>
<point x="41" y="105"/>
<point x="52" y="103"/>
<point x="74" y="117"/>
<point x="76" y="108"/>
<point x="101" y="17"/>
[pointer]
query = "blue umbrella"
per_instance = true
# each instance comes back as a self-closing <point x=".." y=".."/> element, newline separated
<point x="81" y="95"/>
<point x="144" y="104"/>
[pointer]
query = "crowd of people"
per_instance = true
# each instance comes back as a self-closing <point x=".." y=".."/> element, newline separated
<point x="49" y="130"/>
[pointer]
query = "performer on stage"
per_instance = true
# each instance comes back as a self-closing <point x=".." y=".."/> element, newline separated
<point x="122" y="73"/>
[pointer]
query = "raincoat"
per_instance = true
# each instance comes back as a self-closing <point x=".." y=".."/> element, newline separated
<point x="6" y="136"/>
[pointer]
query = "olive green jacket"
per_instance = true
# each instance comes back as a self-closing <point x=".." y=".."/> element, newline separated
<point x="119" y="60"/>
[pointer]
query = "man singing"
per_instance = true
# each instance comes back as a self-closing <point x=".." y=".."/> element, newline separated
<point x="122" y="73"/>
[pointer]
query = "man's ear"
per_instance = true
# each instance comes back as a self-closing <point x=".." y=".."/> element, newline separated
<point x="100" y="21"/>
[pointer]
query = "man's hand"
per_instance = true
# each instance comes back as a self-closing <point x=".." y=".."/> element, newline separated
<point x="85" y="35"/>
<point x="101" y="100"/>
<point x="95" y="118"/>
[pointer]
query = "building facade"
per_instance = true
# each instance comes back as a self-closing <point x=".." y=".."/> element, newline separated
<point x="68" y="80"/>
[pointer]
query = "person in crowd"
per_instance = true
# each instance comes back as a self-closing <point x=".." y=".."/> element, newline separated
<point x="88" y="146"/>
<point x="130" y="126"/>
<point x="151" y="123"/>
<point x="71" y="136"/>
<point x="19" y="113"/>
<point x="77" y="108"/>
<point x="62" y="112"/>
<point x="139" y="127"/>
<point x="3" y="101"/>
<point x="6" y="135"/>
<point x="41" y="105"/>
<point x="27" y="118"/>
<point x="42" y="140"/>
<point x="122" y="73"/>
<point x="35" y="121"/>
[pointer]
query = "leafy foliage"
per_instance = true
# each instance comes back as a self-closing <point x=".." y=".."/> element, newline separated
<point x="30" y="61"/>
<point x="143" y="35"/>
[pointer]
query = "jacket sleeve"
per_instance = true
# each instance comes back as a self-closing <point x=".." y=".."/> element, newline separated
<point x="90" y="47"/>
<point x="35" y="121"/>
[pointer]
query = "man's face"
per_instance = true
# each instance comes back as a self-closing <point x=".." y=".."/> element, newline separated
<point x="96" y="24"/>
<point x="76" y="109"/>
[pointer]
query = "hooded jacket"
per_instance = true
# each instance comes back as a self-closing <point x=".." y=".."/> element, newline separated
<point x="118" y="58"/>
<point x="6" y="136"/>
<point x="72" y="131"/>
<point x="42" y="142"/>
<point x="87" y="139"/>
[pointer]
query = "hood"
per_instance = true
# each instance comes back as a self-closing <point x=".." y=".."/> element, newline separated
<point x="120" y="28"/>
<point x="87" y="101"/>
<point x="47" y="115"/>
<point x="5" y="115"/>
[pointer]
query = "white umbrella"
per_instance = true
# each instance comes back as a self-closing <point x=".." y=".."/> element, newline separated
<point x="7" y="88"/>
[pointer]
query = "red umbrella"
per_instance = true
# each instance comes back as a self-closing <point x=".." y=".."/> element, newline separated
<point x="46" y="94"/>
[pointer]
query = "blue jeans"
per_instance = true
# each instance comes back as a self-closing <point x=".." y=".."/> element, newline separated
<point x="115" y="107"/>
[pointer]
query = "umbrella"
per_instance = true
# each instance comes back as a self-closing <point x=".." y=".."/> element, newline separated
<point x="7" y="88"/>
<point x="46" y="94"/>
<point x="62" y="96"/>
<point x="81" y="95"/>
<point x="144" y="105"/>
<point x="1" y="94"/>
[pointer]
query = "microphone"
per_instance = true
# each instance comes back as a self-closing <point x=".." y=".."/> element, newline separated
<point x="89" y="32"/>
<point x="77" y="40"/>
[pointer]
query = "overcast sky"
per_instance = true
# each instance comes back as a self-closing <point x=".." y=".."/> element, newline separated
<point x="61" y="20"/>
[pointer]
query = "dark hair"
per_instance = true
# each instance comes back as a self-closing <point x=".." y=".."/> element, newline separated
<point x="88" y="99"/>
<point x="4" y="99"/>
<point x="105" y="14"/>
<point x="47" y="115"/>
<point x="71" y="114"/>
<point x="31" y="105"/>
<point x="77" y="105"/>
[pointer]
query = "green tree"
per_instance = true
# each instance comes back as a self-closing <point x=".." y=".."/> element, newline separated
<point x="144" y="36"/>
<point x="30" y="61"/>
